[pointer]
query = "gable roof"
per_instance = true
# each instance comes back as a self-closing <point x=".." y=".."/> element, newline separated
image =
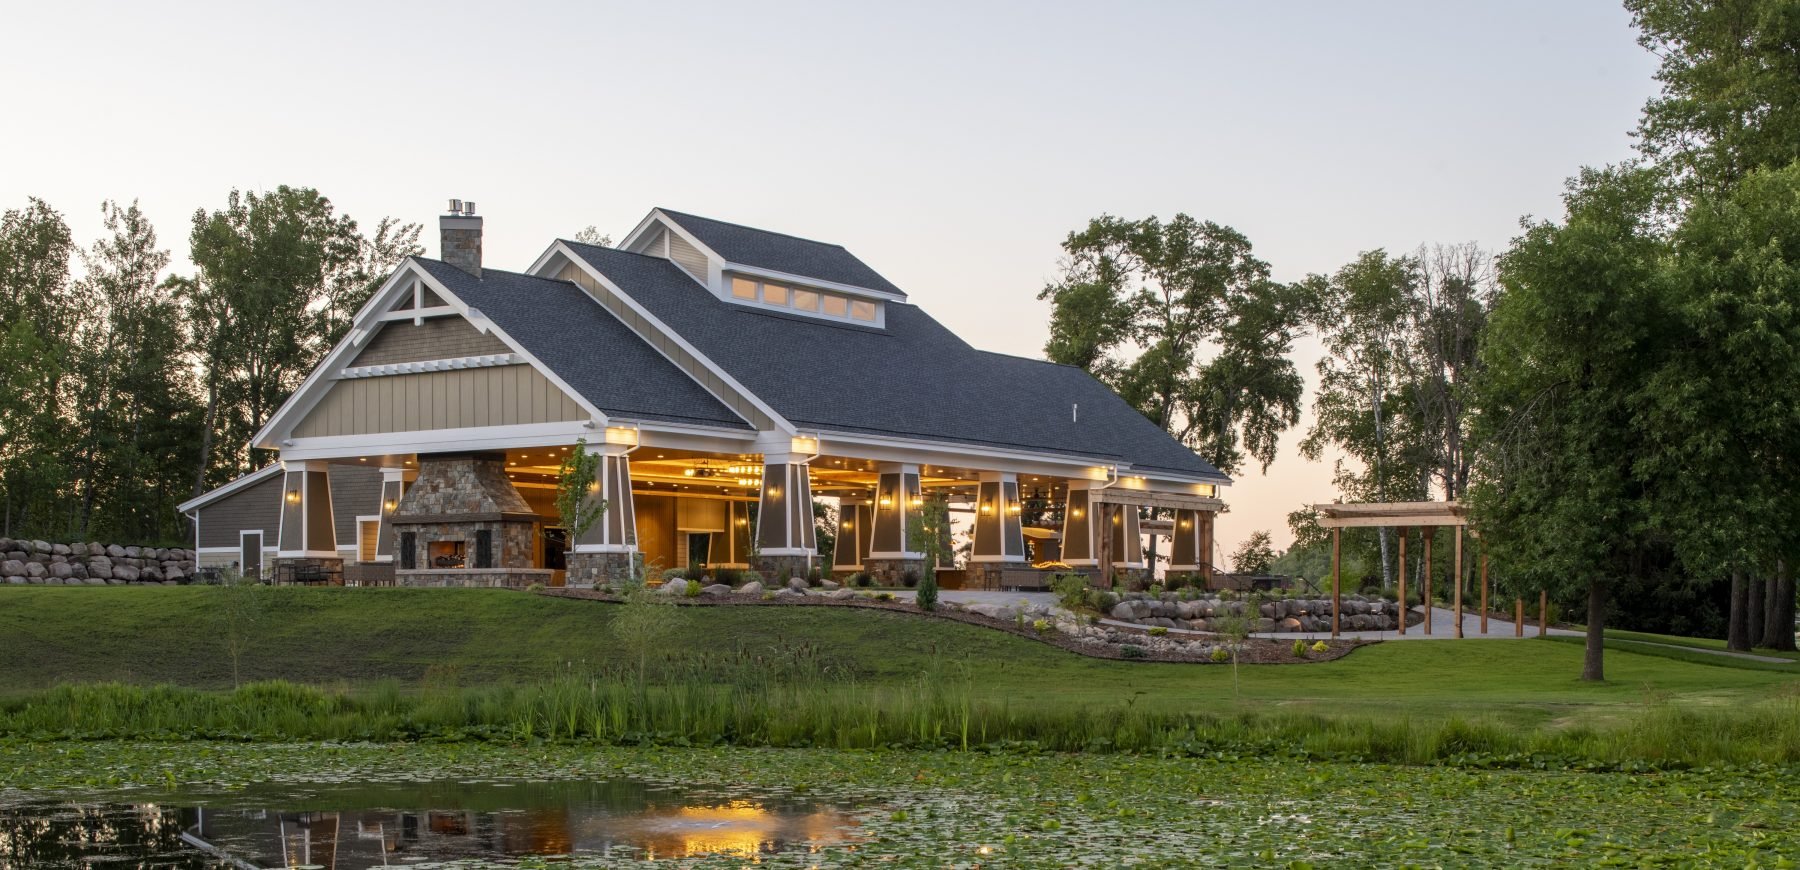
<point x="586" y="346"/>
<point x="913" y="378"/>
<point x="749" y="246"/>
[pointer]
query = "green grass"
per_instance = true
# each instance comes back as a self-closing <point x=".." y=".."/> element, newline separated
<point x="471" y="639"/>
<point x="1691" y="642"/>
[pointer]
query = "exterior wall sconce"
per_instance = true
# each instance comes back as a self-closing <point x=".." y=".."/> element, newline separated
<point x="1076" y="512"/>
<point x="389" y="505"/>
<point x="1186" y="523"/>
<point x="849" y="525"/>
<point x="743" y="521"/>
<point x="987" y="507"/>
<point x="775" y="491"/>
<point x="1015" y="509"/>
<point x="887" y="502"/>
<point x="293" y="496"/>
<point x="918" y="502"/>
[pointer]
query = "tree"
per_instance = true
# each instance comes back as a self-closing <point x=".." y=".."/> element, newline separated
<point x="931" y="536"/>
<point x="1573" y="339"/>
<point x="593" y="236"/>
<point x="39" y="318"/>
<point x="1730" y="75"/>
<point x="577" y="481"/>
<point x="1254" y="555"/>
<point x="1140" y="301"/>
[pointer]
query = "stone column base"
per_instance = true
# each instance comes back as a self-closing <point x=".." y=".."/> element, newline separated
<point x="770" y="567"/>
<point x="310" y="571"/>
<point x="588" y="570"/>
<point x="892" y="572"/>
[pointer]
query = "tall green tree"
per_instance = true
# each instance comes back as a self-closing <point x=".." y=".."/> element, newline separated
<point x="1562" y="498"/>
<point x="1730" y="97"/>
<point x="39" y="318"/>
<point x="1184" y="322"/>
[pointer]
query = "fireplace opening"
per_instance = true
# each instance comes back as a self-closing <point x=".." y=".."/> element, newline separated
<point x="445" y="554"/>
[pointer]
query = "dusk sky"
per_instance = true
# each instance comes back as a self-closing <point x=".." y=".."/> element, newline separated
<point x="952" y="146"/>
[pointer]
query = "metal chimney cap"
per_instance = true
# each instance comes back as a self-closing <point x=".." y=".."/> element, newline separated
<point x="469" y="208"/>
<point x="456" y="206"/>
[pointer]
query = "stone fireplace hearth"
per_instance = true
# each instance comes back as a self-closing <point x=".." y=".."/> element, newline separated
<point x="461" y="523"/>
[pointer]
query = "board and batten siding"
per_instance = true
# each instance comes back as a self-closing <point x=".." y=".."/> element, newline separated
<point x="666" y="345"/>
<point x="456" y="399"/>
<point x="254" y="507"/>
<point x="436" y="338"/>
<point x="688" y="257"/>
<point x="355" y="491"/>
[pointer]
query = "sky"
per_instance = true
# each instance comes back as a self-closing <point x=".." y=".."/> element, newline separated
<point x="952" y="146"/>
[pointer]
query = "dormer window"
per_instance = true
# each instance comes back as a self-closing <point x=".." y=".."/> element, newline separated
<point x="818" y="303"/>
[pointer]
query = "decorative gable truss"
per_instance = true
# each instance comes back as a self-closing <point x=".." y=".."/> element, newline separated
<point x="420" y="371"/>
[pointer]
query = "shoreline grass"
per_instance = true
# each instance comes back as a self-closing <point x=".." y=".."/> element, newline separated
<point x="618" y="711"/>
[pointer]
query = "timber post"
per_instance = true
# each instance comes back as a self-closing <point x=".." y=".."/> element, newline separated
<point x="1484" y="588"/>
<point x="1429" y="532"/>
<point x="1337" y="569"/>
<point x="1518" y="617"/>
<point x="1404" y="531"/>
<point x="1458" y="578"/>
<point x="1543" y="612"/>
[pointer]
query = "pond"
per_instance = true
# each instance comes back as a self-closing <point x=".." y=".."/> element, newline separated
<point x="349" y="826"/>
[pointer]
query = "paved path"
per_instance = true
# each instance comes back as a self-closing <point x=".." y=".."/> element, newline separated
<point x="1749" y="657"/>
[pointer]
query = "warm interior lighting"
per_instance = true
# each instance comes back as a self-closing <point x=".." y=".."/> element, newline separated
<point x="804" y="445"/>
<point x="849" y="525"/>
<point x="987" y="507"/>
<point x="1016" y="509"/>
<point x="389" y="505"/>
<point x="293" y="496"/>
<point x="621" y="435"/>
<point x="887" y="502"/>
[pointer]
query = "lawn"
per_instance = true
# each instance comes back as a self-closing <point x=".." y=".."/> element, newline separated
<point x="354" y="637"/>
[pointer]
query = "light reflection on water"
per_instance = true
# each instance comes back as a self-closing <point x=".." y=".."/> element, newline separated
<point x="350" y="826"/>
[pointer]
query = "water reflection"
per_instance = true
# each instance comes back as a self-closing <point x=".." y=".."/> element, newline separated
<point x="353" y="826"/>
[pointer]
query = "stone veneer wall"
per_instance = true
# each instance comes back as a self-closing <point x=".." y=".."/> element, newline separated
<point x="91" y="564"/>
<point x="892" y="572"/>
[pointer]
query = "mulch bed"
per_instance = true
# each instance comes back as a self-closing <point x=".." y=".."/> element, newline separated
<point x="1257" y="651"/>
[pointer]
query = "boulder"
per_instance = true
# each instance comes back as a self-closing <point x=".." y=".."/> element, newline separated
<point x="152" y="575"/>
<point x="12" y="568"/>
<point x="36" y="569"/>
<point x="40" y="547"/>
<point x="61" y="571"/>
<point x="78" y="570"/>
<point x="16" y="581"/>
<point x="99" y="571"/>
<point x="753" y="587"/>
<point x="828" y="584"/>
<point x="174" y="574"/>
<point x="96" y="548"/>
<point x="1266" y="610"/>
<point x="134" y="552"/>
<point x="95" y="581"/>
<point x="798" y="584"/>
<point x="1187" y="609"/>
<point x="677" y="586"/>
<point x="115" y="551"/>
<point x="1264" y="624"/>
<point x="1122" y="610"/>
<point x="124" y="573"/>
<point x="841" y="594"/>
<point x="8" y="544"/>
<point x="18" y="555"/>
<point x="60" y="550"/>
<point x="1290" y="624"/>
<point x="789" y="592"/>
<point x="716" y="589"/>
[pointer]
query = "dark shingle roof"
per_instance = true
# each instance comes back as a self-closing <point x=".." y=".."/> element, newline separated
<point x="913" y="378"/>
<point x="804" y="257"/>
<point x="586" y="346"/>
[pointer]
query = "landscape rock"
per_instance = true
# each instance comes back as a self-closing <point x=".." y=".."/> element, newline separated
<point x="677" y="587"/>
<point x="716" y="589"/>
<point x="841" y="594"/>
<point x="99" y="571"/>
<point x="753" y="587"/>
<point x="60" y="550"/>
<point x="12" y="568"/>
<point x="134" y="552"/>
<point x="36" y="569"/>
<point x="124" y="573"/>
<point x="115" y="551"/>
<point x="798" y="584"/>
<point x="153" y="575"/>
<point x="78" y="570"/>
<point x="18" y="555"/>
<point x="40" y="547"/>
<point x="61" y="571"/>
<point x="828" y="584"/>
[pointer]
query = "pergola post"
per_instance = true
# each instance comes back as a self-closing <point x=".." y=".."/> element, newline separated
<point x="1429" y="532"/>
<point x="1543" y="612"/>
<point x="1484" y="585"/>
<point x="1337" y="571"/>
<point x="1518" y="617"/>
<point x="1458" y="577"/>
<point x="1104" y="554"/>
<point x="1404" y="531"/>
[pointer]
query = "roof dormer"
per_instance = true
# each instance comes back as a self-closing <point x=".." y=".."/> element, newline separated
<point x="758" y="268"/>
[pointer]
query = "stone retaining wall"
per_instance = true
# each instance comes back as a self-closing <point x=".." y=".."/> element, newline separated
<point x="1171" y="610"/>
<point x="90" y="564"/>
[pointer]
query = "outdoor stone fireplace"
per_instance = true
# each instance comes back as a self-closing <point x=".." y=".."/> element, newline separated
<point x="461" y="523"/>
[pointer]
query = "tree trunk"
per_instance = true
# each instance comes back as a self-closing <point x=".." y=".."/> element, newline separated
<point x="1593" y="664"/>
<point x="1769" y="632"/>
<point x="1737" y="633"/>
<point x="1782" y="614"/>
<point x="1757" y="592"/>
<point x="206" y="438"/>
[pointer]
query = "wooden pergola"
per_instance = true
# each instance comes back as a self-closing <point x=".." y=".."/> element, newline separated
<point x="1427" y="516"/>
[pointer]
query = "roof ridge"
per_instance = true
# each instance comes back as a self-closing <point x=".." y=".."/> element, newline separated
<point x="1048" y="362"/>
<point x="680" y="214"/>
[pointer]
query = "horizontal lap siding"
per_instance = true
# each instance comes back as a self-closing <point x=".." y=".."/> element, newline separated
<point x="462" y="398"/>
<point x="437" y="338"/>
<point x="687" y="257"/>
<point x="254" y="507"/>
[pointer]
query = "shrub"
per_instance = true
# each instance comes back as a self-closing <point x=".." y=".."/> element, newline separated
<point x="672" y="574"/>
<point x="1072" y="590"/>
<point x="784" y="575"/>
<point x="1220" y="655"/>
<point x="862" y="580"/>
<point x="910" y="578"/>
<point x="927" y="598"/>
<point x="1320" y="647"/>
<point x="1041" y="626"/>
<point x="768" y="596"/>
<point x="815" y="576"/>
<point x="1131" y="651"/>
<point x="692" y="590"/>
<point x="884" y="596"/>
<point x="1174" y="582"/>
<point x="1159" y="631"/>
<point x="1300" y="649"/>
<point x="749" y="575"/>
<point x="1105" y="600"/>
<point x="535" y="587"/>
<point x="729" y="576"/>
<point x="1156" y="589"/>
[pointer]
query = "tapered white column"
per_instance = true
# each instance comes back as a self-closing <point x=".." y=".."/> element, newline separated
<point x="999" y="533"/>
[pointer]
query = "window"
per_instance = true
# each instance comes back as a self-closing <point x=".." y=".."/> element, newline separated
<point x="807" y="300"/>
<point x="803" y="299"/>
<point x="743" y="288"/>
<point x="409" y="550"/>
<point x="484" y="548"/>
<point x="775" y="294"/>
<point x="836" y="306"/>
<point x="860" y="310"/>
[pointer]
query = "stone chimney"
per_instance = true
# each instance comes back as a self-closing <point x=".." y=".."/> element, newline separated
<point x="459" y="237"/>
